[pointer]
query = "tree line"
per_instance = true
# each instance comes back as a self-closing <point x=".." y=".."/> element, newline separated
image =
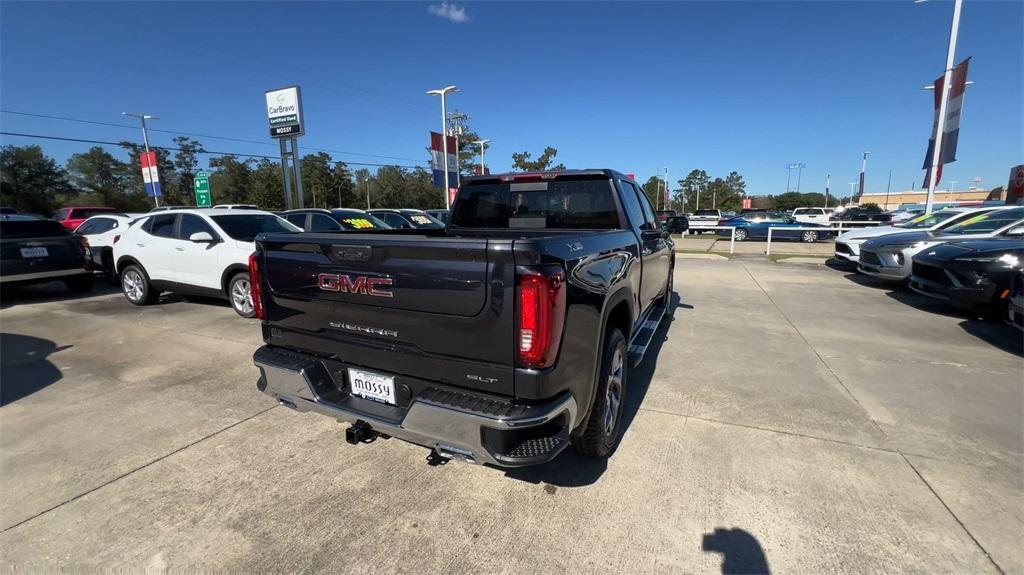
<point x="32" y="181"/>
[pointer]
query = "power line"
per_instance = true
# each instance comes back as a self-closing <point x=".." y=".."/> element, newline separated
<point x="172" y="149"/>
<point x="195" y="135"/>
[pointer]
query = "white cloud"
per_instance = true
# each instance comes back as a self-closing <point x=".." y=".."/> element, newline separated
<point x="449" y="12"/>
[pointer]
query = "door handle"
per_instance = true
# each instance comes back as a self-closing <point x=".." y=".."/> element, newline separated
<point x="645" y="252"/>
<point x="140" y="245"/>
<point x="180" y="249"/>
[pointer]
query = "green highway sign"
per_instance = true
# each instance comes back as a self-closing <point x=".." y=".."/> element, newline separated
<point x="202" y="186"/>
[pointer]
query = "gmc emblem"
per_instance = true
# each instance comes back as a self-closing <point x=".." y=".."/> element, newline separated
<point x="373" y="286"/>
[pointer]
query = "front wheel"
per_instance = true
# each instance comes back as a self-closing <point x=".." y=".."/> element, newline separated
<point x="240" y="293"/>
<point x="136" y="287"/>
<point x="605" y="423"/>
<point x="809" y="237"/>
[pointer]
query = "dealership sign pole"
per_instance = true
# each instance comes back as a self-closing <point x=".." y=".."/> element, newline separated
<point x="150" y="175"/>
<point x="284" y="114"/>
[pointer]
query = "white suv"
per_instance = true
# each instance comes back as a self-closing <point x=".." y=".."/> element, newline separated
<point x="202" y="252"/>
<point x="812" y="215"/>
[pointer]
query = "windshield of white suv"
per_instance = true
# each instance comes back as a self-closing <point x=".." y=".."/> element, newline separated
<point x="988" y="222"/>
<point x="246" y="227"/>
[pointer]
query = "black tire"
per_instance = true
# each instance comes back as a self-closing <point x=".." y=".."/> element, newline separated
<point x="808" y="237"/>
<point x="666" y="298"/>
<point x="240" y="295"/>
<point x="740" y="234"/>
<point x="79" y="284"/>
<point x="599" y="438"/>
<point x="136" y="287"/>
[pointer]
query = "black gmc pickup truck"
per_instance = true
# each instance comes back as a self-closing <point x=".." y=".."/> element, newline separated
<point x="501" y="339"/>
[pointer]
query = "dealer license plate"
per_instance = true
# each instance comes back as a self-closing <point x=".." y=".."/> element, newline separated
<point x="372" y="385"/>
<point x="34" y="252"/>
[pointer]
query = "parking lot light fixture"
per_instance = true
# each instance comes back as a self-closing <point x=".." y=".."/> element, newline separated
<point x="482" y="144"/>
<point x="444" y="133"/>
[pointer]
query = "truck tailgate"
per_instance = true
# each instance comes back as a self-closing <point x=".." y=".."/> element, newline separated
<point x="441" y="306"/>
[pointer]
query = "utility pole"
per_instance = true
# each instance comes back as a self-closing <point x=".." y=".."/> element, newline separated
<point x="668" y="193"/>
<point x="368" y="192"/>
<point x="483" y="145"/>
<point x="887" y="186"/>
<point x="863" y="168"/>
<point x="828" y="180"/>
<point x="444" y="135"/>
<point x="145" y="139"/>
<point x="455" y="122"/>
<point x="940" y="125"/>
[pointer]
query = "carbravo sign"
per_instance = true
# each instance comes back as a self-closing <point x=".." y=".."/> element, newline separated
<point x="284" y="112"/>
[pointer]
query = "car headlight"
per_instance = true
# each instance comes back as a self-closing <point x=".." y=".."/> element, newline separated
<point x="1011" y="261"/>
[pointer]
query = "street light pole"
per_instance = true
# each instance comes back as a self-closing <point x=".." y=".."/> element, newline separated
<point x="444" y="134"/>
<point x="950" y="193"/>
<point x="145" y="138"/>
<point x="853" y="190"/>
<point x="828" y="180"/>
<point x="799" y="172"/>
<point x="888" y="186"/>
<point x="863" y="168"/>
<point x="482" y="144"/>
<point x="940" y="125"/>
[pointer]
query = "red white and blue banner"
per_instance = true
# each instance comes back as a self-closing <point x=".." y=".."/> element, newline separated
<point x="951" y="128"/>
<point x="150" y="176"/>
<point x="437" y="160"/>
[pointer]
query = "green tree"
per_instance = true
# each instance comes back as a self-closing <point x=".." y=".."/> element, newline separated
<point x="102" y="179"/>
<point x="318" y="188"/>
<point x="653" y="189"/>
<point x="521" y="161"/>
<point x="186" y="164"/>
<point x="689" y="187"/>
<point x="788" y="201"/>
<point x="266" y="189"/>
<point x="345" y="188"/>
<point x="30" y="180"/>
<point x="230" y="181"/>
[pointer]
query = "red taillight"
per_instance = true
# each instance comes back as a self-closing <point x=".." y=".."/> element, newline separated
<point x="722" y="222"/>
<point x="254" y="286"/>
<point x="541" y="316"/>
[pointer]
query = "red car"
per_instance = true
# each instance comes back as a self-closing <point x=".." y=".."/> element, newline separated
<point x="72" y="217"/>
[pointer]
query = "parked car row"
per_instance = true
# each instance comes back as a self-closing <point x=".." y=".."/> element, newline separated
<point x="968" y="257"/>
<point x="207" y="251"/>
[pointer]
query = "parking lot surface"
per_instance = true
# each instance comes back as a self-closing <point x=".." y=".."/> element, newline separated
<point x="791" y="419"/>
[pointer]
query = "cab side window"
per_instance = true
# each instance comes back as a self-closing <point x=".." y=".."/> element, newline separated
<point x="298" y="220"/>
<point x="191" y="224"/>
<point x="650" y="221"/>
<point x="162" y="225"/>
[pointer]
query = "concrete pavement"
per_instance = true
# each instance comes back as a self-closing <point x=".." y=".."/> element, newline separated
<point x="791" y="420"/>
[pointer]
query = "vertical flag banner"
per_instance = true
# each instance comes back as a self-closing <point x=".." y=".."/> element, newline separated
<point x="150" y="176"/>
<point x="437" y="160"/>
<point x="951" y="128"/>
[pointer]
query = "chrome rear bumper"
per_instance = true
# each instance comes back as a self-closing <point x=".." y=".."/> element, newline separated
<point x="463" y="426"/>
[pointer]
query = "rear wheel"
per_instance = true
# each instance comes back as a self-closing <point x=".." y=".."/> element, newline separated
<point x="240" y="293"/>
<point x="79" y="284"/>
<point x="605" y="423"/>
<point x="740" y="234"/>
<point x="809" y="237"/>
<point x="136" y="287"/>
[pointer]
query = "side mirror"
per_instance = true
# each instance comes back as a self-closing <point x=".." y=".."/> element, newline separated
<point x="201" y="238"/>
<point x="1015" y="231"/>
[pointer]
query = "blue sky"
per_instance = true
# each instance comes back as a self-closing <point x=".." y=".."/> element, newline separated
<point x="746" y="86"/>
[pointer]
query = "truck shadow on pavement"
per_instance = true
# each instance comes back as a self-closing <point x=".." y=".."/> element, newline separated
<point x="25" y="367"/>
<point x="570" y="469"/>
<point x="741" y="552"/>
